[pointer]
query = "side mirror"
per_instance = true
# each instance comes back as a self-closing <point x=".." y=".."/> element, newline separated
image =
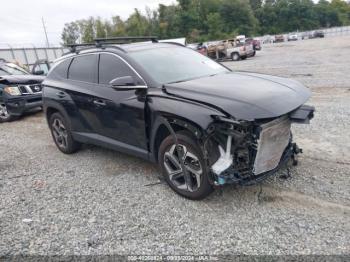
<point x="125" y="82"/>
<point x="39" y="72"/>
<point x="122" y="81"/>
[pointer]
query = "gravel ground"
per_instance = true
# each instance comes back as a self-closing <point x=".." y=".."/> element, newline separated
<point x="102" y="202"/>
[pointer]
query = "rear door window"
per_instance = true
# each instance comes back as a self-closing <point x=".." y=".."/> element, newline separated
<point x="84" y="68"/>
<point x="111" y="67"/>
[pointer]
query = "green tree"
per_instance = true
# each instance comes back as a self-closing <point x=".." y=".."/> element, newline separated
<point x="100" y="28"/>
<point x="117" y="26"/>
<point x="136" y="24"/>
<point x="343" y="10"/>
<point x="237" y="15"/>
<point x="86" y="28"/>
<point x="70" y="34"/>
<point x="327" y="16"/>
<point x="215" y="26"/>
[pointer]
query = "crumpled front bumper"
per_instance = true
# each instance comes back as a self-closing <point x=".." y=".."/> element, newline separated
<point x="230" y="177"/>
<point x="270" y="146"/>
<point x="18" y="105"/>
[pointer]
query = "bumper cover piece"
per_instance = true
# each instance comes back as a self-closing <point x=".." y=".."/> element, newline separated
<point x="18" y="105"/>
<point x="302" y="115"/>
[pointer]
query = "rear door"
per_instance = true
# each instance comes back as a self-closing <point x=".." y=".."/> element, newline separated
<point x="82" y="89"/>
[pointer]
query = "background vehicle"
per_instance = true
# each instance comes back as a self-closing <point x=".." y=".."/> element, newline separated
<point x="318" y="34"/>
<point x="313" y="34"/>
<point x="19" y="91"/>
<point x="279" y="38"/>
<point x="292" y="37"/>
<point x="199" y="47"/>
<point x="254" y="42"/>
<point x="241" y="38"/>
<point x="257" y="44"/>
<point x="203" y="124"/>
<point x="230" y="49"/>
<point x="41" y="67"/>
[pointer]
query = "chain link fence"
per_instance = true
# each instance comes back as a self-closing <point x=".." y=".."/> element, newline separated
<point x="27" y="55"/>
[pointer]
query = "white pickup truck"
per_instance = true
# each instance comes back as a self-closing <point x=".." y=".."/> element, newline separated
<point x="230" y="49"/>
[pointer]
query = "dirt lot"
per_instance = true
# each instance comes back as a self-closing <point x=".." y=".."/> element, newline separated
<point x="102" y="202"/>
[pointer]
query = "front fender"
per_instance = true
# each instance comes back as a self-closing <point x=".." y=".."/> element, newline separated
<point x="189" y="115"/>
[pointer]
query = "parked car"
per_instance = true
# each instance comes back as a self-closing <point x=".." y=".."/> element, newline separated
<point x="204" y="124"/>
<point x="318" y="34"/>
<point x="313" y="34"/>
<point x="199" y="47"/>
<point x="279" y="38"/>
<point x="19" y="91"/>
<point x="292" y="37"/>
<point x="255" y="42"/>
<point x="230" y="49"/>
<point x="41" y="67"/>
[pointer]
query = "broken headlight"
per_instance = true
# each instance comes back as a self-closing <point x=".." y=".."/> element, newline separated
<point x="235" y="141"/>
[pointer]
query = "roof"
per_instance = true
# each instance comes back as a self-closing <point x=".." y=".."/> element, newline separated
<point x="126" y="44"/>
<point x="144" y="46"/>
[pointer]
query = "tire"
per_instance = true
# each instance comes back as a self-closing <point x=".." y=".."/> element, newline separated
<point x="62" y="135"/>
<point x="168" y="160"/>
<point x="5" y="116"/>
<point x="235" y="56"/>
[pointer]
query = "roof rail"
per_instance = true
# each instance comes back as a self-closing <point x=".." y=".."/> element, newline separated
<point x="125" y="39"/>
<point x="98" y="42"/>
<point x="73" y="47"/>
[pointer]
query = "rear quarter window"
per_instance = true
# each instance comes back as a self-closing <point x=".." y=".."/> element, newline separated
<point x="61" y="70"/>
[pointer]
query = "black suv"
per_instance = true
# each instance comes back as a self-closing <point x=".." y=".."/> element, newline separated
<point x="20" y="91"/>
<point x="203" y="124"/>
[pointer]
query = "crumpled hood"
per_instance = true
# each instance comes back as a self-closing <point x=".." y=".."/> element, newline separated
<point x="21" y="79"/>
<point x="245" y="96"/>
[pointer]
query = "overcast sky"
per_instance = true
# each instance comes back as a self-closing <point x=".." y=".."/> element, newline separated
<point x="20" y="20"/>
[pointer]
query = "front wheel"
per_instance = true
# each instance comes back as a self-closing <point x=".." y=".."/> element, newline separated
<point x="5" y="116"/>
<point x="62" y="135"/>
<point x="189" y="178"/>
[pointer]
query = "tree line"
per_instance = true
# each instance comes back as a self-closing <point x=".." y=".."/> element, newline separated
<point x="203" y="20"/>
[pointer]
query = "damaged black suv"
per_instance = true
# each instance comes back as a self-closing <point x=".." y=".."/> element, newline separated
<point x="203" y="124"/>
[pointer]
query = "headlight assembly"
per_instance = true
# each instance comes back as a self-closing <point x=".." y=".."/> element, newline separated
<point x="12" y="90"/>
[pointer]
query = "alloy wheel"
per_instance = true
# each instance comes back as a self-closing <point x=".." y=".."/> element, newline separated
<point x="187" y="178"/>
<point x="59" y="132"/>
<point x="4" y="114"/>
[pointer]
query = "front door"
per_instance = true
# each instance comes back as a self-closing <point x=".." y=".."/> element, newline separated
<point x="120" y="113"/>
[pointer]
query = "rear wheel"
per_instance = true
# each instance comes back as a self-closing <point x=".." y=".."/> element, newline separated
<point x="5" y="116"/>
<point x="190" y="179"/>
<point x="235" y="56"/>
<point x="62" y="135"/>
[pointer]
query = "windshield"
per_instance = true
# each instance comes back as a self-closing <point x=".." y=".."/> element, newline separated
<point x="175" y="64"/>
<point x="11" y="69"/>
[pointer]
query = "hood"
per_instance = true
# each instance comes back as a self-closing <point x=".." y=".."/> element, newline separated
<point x="21" y="79"/>
<point x="245" y="96"/>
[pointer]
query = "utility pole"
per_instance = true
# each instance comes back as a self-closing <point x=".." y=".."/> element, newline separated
<point x="47" y="39"/>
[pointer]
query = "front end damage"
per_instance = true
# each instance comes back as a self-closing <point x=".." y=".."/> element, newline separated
<point x="245" y="152"/>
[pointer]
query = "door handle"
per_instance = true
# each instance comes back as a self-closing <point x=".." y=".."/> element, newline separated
<point x="61" y="94"/>
<point x="99" y="103"/>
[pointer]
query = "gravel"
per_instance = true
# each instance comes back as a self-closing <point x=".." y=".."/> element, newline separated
<point x="99" y="201"/>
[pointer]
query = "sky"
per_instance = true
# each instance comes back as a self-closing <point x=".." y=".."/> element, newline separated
<point x="21" y="20"/>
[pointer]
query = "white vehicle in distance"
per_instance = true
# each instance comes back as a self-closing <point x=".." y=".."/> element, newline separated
<point x="292" y="37"/>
